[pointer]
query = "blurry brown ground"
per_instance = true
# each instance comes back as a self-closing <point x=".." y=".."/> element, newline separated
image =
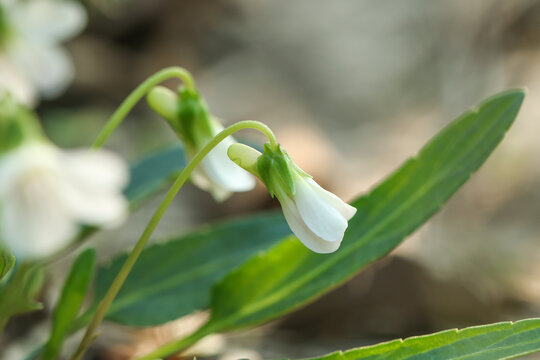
<point x="352" y="88"/>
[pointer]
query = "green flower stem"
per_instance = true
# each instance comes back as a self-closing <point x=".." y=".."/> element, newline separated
<point x="173" y="347"/>
<point x="177" y="185"/>
<point x="3" y="323"/>
<point x="139" y="93"/>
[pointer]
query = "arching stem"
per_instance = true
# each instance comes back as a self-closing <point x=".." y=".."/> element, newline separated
<point x="136" y="95"/>
<point x="103" y="306"/>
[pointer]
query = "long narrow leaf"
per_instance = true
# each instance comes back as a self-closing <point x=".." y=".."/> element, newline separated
<point x="70" y="301"/>
<point x="173" y="279"/>
<point x="289" y="275"/>
<point x="498" y="341"/>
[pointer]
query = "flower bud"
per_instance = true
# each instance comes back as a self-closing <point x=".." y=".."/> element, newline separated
<point x="188" y="115"/>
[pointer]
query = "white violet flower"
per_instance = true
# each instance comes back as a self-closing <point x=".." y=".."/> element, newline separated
<point x="32" y="61"/>
<point x="316" y="216"/>
<point x="46" y="193"/>
<point x="189" y="117"/>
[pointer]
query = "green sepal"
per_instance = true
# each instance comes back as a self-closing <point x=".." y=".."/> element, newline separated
<point x="194" y="124"/>
<point x="276" y="168"/>
<point x="17" y="124"/>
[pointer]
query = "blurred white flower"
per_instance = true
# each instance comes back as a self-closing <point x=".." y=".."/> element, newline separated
<point x="46" y="193"/>
<point x="316" y="216"/>
<point x="217" y="174"/>
<point x="32" y="62"/>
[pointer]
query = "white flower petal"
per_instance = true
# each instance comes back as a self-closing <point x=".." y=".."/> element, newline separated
<point x="218" y="193"/>
<point x="92" y="183"/>
<point x="13" y="81"/>
<point x="224" y="172"/>
<point x="33" y="222"/>
<point x="203" y="182"/>
<point x="317" y="213"/>
<point x="100" y="169"/>
<point x="302" y="232"/>
<point x="104" y="209"/>
<point x="45" y="194"/>
<point x="34" y="158"/>
<point x="49" y="21"/>
<point x="48" y="67"/>
<point x="344" y="209"/>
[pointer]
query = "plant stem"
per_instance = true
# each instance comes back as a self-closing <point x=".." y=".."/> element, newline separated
<point x="173" y="347"/>
<point x="136" y="95"/>
<point x="3" y="323"/>
<point x="134" y="254"/>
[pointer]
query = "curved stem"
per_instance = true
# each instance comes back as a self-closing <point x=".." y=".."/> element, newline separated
<point x="134" y="254"/>
<point x="3" y="322"/>
<point x="175" y="346"/>
<point x="136" y="95"/>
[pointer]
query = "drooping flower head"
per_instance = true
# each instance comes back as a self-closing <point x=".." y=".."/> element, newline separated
<point x="188" y="115"/>
<point x="316" y="216"/>
<point x="32" y="62"/>
<point x="46" y="193"/>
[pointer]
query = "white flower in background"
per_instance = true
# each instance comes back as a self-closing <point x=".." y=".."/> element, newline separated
<point x="32" y="62"/>
<point x="195" y="126"/>
<point x="46" y="193"/>
<point x="217" y="173"/>
<point x="316" y="216"/>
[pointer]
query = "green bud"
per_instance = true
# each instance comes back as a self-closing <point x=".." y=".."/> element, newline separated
<point x="18" y="124"/>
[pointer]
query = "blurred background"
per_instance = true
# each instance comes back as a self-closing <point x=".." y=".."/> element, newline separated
<point x="352" y="88"/>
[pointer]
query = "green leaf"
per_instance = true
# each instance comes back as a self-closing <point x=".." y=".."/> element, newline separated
<point x="7" y="260"/>
<point x="153" y="172"/>
<point x="498" y="341"/>
<point x="289" y="275"/>
<point x="73" y="294"/>
<point x="173" y="279"/>
<point x="18" y="296"/>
